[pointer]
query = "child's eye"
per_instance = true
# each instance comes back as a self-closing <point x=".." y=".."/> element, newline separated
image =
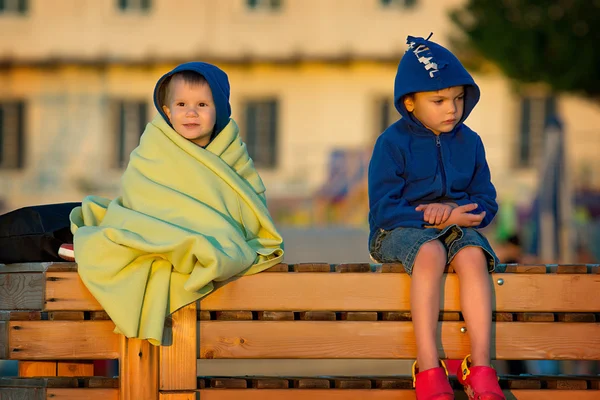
<point x="438" y="101"/>
<point x="202" y="104"/>
<point x="180" y="104"/>
<point x="461" y="97"/>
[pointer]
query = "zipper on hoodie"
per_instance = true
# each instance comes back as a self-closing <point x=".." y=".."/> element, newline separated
<point x="438" y="144"/>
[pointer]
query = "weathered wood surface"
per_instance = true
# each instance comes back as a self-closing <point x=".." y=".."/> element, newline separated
<point x="348" y="339"/>
<point x="514" y="292"/>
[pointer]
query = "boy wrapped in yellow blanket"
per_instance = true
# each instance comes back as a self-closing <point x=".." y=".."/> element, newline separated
<point x="192" y="210"/>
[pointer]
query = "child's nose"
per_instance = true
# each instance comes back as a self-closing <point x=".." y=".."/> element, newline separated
<point x="453" y="108"/>
<point x="191" y="112"/>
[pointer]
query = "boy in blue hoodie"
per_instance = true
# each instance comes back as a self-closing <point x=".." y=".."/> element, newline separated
<point x="429" y="191"/>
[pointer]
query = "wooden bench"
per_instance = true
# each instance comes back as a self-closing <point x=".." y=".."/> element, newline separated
<point x="51" y="324"/>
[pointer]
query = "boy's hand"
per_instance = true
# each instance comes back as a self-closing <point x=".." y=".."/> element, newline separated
<point x="460" y="216"/>
<point x="435" y="213"/>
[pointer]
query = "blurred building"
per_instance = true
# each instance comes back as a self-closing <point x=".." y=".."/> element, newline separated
<point x="309" y="78"/>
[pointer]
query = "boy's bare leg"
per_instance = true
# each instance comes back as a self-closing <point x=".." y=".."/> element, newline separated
<point x="475" y="301"/>
<point x="425" y="288"/>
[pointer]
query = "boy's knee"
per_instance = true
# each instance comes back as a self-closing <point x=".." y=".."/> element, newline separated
<point x="469" y="255"/>
<point x="433" y="249"/>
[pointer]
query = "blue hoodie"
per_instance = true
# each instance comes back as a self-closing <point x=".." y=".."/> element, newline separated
<point x="411" y="165"/>
<point x="219" y="85"/>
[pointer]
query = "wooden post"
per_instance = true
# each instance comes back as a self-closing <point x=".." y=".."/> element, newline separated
<point x="178" y="354"/>
<point x="138" y="365"/>
<point x="28" y="369"/>
<point x="75" y="368"/>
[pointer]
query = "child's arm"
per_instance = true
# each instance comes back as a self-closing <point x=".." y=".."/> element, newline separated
<point x="387" y="206"/>
<point x="481" y="191"/>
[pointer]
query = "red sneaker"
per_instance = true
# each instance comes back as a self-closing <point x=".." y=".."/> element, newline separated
<point x="66" y="252"/>
<point x="432" y="384"/>
<point x="481" y="383"/>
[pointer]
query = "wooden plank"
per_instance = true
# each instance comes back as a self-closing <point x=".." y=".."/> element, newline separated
<point x="21" y="291"/>
<point x="22" y="393"/>
<point x="281" y="267"/>
<point x="62" y="340"/>
<point x="393" y="268"/>
<point x="62" y="267"/>
<point x="177" y="396"/>
<point x="359" y="316"/>
<point x="312" y="267"/>
<point x="24" y="267"/>
<point x="382" y="339"/>
<point x="391" y="292"/>
<point x="526" y="269"/>
<point x="313" y="291"/>
<point x="234" y="315"/>
<point x="82" y="393"/>
<point x="65" y="316"/>
<point x="25" y="316"/>
<point x="317" y="316"/>
<point x="178" y="353"/>
<point x="72" y="368"/>
<point x="535" y="317"/>
<point x="576" y="317"/>
<point x="377" y="394"/>
<point x="3" y="340"/>
<point x="275" y="315"/>
<point x="37" y="368"/>
<point x="138" y="369"/>
<point x="66" y="291"/>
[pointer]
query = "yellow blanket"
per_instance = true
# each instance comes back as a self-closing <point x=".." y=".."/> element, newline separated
<point x="187" y="216"/>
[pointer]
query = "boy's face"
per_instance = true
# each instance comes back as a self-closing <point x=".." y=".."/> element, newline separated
<point x="191" y="110"/>
<point x="439" y="111"/>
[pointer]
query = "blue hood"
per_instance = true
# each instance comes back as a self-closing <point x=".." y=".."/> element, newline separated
<point x="426" y="66"/>
<point x="219" y="85"/>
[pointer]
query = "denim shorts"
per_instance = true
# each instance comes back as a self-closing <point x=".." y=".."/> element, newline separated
<point x="403" y="244"/>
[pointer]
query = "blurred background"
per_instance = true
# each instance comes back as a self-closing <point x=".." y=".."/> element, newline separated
<point x="312" y="86"/>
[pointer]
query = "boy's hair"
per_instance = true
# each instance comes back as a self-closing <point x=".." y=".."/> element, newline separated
<point x="190" y="77"/>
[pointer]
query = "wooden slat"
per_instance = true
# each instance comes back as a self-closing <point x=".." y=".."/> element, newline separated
<point x="66" y="316"/>
<point x="350" y="339"/>
<point x="22" y="393"/>
<point x="61" y="267"/>
<point x="178" y="353"/>
<point x="37" y="368"/>
<point x="21" y="291"/>
<point x="66" y="291"/>
<point x="3" y="340"/>
<point x="73" y="368"/>
<point x="390" y="292"/>
<point x="520" y="292"/>
<point x="138" y="369"/>
<point x="281" y="267"/>
<point x="24" y="267"/>
<point x="78" y="394"/>
<point x="177" y="396"/>
<point x="374" y="394"/>
<point x="62" y="340"/>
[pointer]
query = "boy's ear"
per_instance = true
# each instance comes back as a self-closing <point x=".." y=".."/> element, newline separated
<point x="409" y="103"/>
<point x="167" y="111"/>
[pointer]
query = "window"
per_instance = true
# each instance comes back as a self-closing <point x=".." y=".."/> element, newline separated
<point x="261" y="119"/>
<point x="398" y="3"/>
<point x="385" y="114"/>
<point x="12" y="135"/>
<point x="264" y="4"/>
<point x="134" y="5"/>
<point x="534" y="113"/>
<point x="13" y="6"/>
<point x="130" y="119"/>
